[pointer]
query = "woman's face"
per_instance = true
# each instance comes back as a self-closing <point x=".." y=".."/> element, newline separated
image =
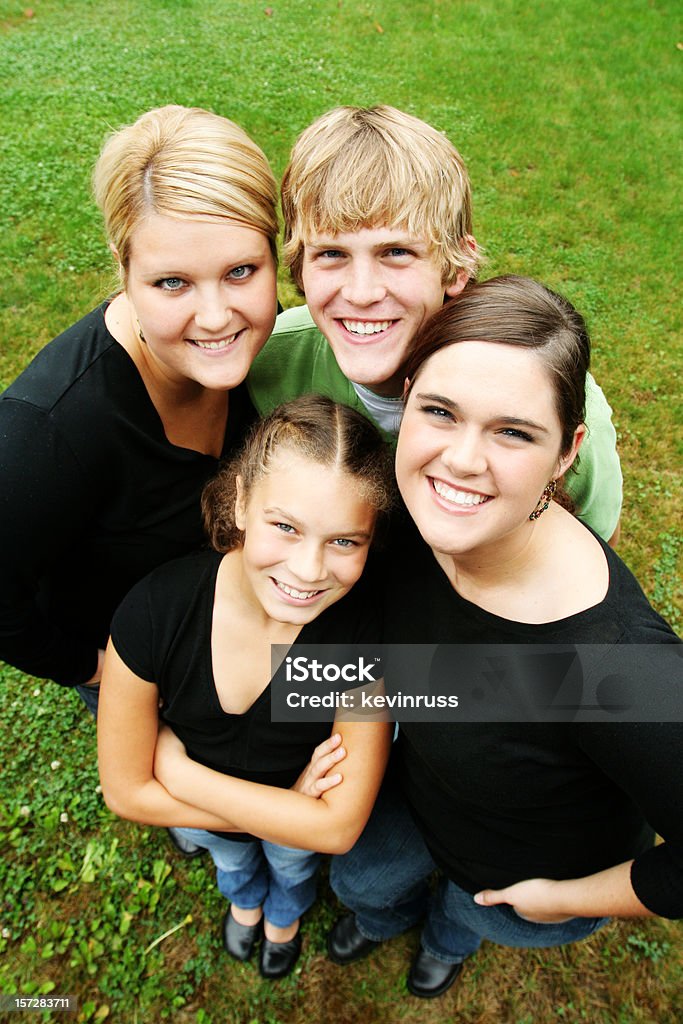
<point x="479" y="441"/>
<point x="204" y="294"/>
<point x="306" y="537"/>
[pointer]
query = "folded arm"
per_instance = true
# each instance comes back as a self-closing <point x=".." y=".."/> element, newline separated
<point x="127" y="726"/>
<point x="330" y="824"/>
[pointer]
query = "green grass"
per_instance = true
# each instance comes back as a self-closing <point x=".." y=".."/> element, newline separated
<point x="569" y="118"/>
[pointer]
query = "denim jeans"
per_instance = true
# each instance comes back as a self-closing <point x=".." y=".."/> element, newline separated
<point x="90" y="695"/>
<point x="385" y="878"/>
<point x="280" y="879"/>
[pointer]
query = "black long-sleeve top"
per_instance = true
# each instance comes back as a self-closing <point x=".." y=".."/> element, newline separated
<point x="93" y="496"/>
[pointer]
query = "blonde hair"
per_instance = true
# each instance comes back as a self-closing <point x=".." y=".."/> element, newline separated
<point x="316" y="428"/>
<point x="183" y="162"/>
<point x="360" y="167"/>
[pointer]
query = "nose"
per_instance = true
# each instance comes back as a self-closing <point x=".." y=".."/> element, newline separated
<point x="465" y="455"/>
<point x="363" y="284"/>
<point x="213" y="312"/>
<point x="307" y="563"/>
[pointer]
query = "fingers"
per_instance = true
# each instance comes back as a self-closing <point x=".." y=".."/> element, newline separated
<point x="328" y="782"/>
<point x="490" y="897"/>
<point x="330" y="744"/>
<point x="320" y="766"/>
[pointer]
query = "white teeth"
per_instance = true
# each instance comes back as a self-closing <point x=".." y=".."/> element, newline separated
<point x="366" y="326"/>
<point x="300" y="595"/>
<point x="215" y="345"/>
<point x="459" y="497"/>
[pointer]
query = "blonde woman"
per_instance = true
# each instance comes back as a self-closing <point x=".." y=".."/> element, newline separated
<point x="111" y="433"/>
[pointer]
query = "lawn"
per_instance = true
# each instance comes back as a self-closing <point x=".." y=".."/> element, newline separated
<point x="568" y="116"/>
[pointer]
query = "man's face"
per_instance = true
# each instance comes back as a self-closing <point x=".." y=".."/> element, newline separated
<point x="369" y="292"/>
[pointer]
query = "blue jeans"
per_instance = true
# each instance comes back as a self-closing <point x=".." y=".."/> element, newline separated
<point x="384" y="879"/>
<point x="90" y="695"/>
<point x="280" y="879"/>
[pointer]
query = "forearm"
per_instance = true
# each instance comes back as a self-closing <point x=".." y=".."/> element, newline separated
<point x="607" y="893"/>
<point x="330" y="823"/>
<point x="277" y="815"/>
<point x="149" y="803"/>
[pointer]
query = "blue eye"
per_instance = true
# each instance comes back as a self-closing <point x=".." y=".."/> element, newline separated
<point x="284" y="527"/>
<point x="344" y="542"/>
<point x="243" y="271"/>
<point x="170" y="284"/>
<point x="398" y="251"/>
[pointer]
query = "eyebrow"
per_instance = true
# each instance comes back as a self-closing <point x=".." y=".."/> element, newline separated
<point x="397" y="242"/>
<point x="274" y="510"/>
<point x="514" y="421"/>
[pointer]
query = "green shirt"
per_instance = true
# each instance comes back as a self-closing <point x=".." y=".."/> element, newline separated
<point x="297" y="360"/>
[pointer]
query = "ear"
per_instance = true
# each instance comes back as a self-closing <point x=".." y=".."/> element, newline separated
<point x="406" y="388"/>
<point x="240" y="504"/>
<point x="455" y="287"/>
<point x="115" y="252"/>
<point x="565" y="461"/>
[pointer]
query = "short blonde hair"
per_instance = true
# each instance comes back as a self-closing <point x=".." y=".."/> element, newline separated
<point x="360" y="167"/>
<point x="183" y="162"/>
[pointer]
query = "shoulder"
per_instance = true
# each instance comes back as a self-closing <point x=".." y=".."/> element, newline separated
<point x="63" y="363"/>
<point x="296" y="360"/>
<point x="178" y="578"/>
<point x="640" y="622"/>
<point x="82" y="388"/>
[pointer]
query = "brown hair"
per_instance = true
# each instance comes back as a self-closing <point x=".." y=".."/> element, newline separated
<point x="359" y="167"/>
<point x="312" y="426"/>
<point x="513" y="310"/>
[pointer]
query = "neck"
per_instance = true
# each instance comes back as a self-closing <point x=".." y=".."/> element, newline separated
<point x="516" y="558"/>
<point x="172" y="388"/>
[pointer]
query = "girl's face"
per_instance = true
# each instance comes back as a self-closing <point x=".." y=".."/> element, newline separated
<point x="306" y="537"/>
<point x="479" y="441"/>
<point x="203" y="292"/>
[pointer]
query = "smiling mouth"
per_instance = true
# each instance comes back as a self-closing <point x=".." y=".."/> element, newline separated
<point x="455" y="496"/>
<point x="214" y="346"/>
<point x="366" y="328"/>
<point x="296" y="595"/>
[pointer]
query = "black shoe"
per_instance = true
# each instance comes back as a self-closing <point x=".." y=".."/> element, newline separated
<point x="429" y="977"/>
<point x="184" y="846"/>
<point x="239" y="939"/>
<point x="278" y="959"/>
<point x="346" y="944"/>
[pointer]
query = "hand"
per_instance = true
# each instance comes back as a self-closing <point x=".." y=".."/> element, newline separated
<point x="535" y="899"/>
<point x="168" y="754"/>
<point x="314" y="780"/>
<point x="97" y="674"/>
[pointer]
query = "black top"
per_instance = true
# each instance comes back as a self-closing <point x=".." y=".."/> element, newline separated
<point x="498" y="803"/>
<point x="92" y="497"/>
<point x="162" y="631"/>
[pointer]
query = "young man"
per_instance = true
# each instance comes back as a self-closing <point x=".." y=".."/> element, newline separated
<point x="378" y="235"/>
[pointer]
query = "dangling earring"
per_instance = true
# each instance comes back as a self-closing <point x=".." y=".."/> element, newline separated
<point x="544" y="500"/>
<point x="140" y="334"/>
